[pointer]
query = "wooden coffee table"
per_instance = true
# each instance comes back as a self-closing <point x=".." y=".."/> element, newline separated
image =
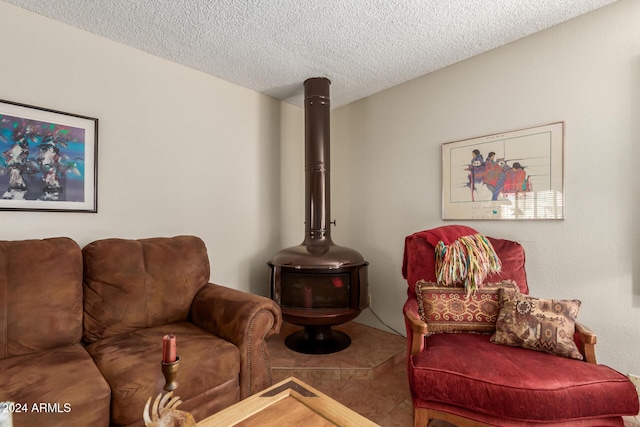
<point x="289" y="403"/>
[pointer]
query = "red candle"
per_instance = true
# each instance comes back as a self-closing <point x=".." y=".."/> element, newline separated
<point x="169" y="348"/>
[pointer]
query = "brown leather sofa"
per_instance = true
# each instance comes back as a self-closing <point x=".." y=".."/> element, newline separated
<point x="81" y="330"/>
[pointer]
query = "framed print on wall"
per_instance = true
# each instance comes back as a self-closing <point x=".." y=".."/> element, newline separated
<point x="48" y="159"/>
<point x="507" y="176"/>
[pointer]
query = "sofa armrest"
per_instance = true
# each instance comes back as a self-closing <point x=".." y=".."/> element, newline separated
<point x="586" y="342"/>
<point x="246" y="320"/>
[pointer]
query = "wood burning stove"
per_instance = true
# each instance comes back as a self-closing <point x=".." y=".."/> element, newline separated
<point x="318" y="284"/>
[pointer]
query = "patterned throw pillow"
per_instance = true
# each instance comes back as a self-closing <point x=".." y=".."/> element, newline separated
<point x="450" y="310"/>
<point x="537" y="324"/>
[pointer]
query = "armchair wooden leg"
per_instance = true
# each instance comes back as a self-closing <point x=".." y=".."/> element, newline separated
<point x="420" y="417"/>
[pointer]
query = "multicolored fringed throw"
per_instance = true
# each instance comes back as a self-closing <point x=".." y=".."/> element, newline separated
<point x="466" y="261"/>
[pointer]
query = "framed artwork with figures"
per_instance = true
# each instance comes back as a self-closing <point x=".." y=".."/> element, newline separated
<point x="48" y="159"/>
<point x="517" y="175"/>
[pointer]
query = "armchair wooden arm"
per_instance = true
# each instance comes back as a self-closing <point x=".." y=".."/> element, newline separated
<point x="419" y="328"/>
<point x="587" y="343"/>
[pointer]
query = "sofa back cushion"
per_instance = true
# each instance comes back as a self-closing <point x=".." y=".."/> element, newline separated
<point x="40" y="295"/>
<point x="135" y="284"/>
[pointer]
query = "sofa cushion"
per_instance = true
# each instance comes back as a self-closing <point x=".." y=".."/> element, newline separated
<point x="537" y="324"/>
<point x="135" y="284"/>
<point x="131" y="363"/>
<point x="451" y="310"/>
<point x="419" y="256"/>
<point x="65" y="378"/>
<point x="40" y="295"/>
<point x="524" y="385"/>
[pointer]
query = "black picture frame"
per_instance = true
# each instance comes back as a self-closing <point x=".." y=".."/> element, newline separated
<point x="48" y="160"/>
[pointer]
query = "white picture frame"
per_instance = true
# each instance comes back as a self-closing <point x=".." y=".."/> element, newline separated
<point x="517" y="175"/>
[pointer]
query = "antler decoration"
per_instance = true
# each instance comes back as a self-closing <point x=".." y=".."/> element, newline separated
<point x="164" y="413"/>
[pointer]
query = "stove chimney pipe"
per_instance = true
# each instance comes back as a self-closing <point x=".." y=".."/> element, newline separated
<point x="317" y="105"/>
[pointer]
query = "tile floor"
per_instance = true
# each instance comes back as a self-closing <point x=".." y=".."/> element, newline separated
<point x="369" y="376"/>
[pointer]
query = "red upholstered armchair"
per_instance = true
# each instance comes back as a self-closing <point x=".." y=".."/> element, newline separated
<point x="466" y="379"/>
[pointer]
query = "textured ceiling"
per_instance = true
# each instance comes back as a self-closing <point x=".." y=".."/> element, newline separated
<point x="272" y="46"/>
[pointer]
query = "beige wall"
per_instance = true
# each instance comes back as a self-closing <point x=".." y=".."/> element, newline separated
<point x="387" y="167"/>
<point x="180" y="152"/>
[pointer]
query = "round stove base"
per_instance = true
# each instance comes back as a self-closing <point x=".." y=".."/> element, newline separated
<point x="317" y="340"/>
